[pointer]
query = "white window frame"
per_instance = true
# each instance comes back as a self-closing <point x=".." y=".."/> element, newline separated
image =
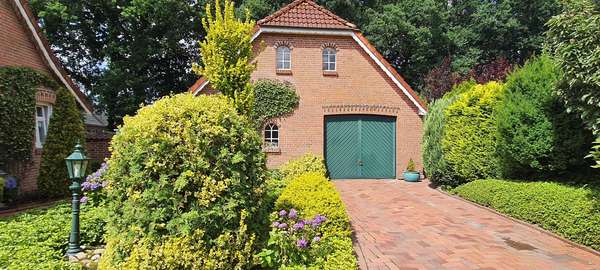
<point x="282" y="62"/>
<point x="271" y="140"/>
<point x="327" y="61"/>
<point x="42" y="121"/>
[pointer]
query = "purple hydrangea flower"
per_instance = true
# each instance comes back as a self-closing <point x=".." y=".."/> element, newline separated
<point x="316" y="239"/>
<point x="293" y="213"/>
<point x="302" y="243"/>
<point x="11" y="183"/>
<point x="83" y="199"/>
<point x="282" y="213"/>
<point x="282" y="226"/>
<point x="275" y="224"/>
<point x="298" y="226"/>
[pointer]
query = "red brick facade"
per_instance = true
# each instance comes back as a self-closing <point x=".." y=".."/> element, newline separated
<point x="360" y="87"/>
<point x="363" y="83"/>
<point x="22" y="45"/>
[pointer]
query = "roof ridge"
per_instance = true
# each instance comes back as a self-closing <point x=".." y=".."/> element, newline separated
<point x="312" y="3"/>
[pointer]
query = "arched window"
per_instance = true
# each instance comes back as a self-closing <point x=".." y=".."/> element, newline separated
<point x="329" y="59"/>
<point x="284" y="58"/>
<point x="271" y="135"/>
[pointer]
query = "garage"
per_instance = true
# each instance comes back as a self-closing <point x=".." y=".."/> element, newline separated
<point x="360" y="146"/>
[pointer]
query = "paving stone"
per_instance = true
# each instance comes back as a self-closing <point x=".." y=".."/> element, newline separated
<point x="399" y="225"/>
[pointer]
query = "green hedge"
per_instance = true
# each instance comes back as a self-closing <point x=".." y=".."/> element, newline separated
<point x="572" y="212"/>
<point x="185" y="170"/>
<point x="436" y="167"/>
<point x="38" y="239"/>
<point x="469" y="142"/>
<point x="312" y="194"/>
<point x="535" y="133"/>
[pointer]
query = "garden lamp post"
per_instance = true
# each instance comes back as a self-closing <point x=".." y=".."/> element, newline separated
<point x="76" y="166"/>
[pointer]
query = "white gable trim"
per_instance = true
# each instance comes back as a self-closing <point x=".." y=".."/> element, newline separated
<point x="333" y="32"/>
<point x="47" y="55"/>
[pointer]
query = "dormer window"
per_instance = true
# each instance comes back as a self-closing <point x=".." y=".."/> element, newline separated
<point x="329" y="59"/>
<point x="284" y="58"/>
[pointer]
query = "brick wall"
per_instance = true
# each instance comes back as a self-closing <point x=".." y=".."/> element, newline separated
<point x="97" y="141"/>
<point x="360" y="87"/>
<point x="17" y="47"/>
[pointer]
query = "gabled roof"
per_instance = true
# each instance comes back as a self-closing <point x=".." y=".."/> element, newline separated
<point x="306" y="14"/>
<point x="44" y="49"/>
<point x="305" y="17"/>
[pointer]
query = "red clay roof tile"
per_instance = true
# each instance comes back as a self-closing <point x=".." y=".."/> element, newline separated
<point x="306" y="14"/>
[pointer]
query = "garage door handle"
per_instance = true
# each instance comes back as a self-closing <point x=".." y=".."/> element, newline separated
<point x="360" y="163"/>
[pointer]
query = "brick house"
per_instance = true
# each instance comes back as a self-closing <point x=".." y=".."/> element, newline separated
<point x="22" y="44"/>
<point x="355" y="109"/>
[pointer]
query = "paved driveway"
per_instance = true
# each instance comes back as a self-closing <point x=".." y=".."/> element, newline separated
<point x="401" y="225"/>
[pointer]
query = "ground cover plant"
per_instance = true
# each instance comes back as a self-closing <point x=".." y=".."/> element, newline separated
<point x="37" y="239"/>
<point x="567" y="210"/>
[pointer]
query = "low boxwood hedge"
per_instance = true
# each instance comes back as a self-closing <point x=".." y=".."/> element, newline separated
<point x="570" y="211"/>
<point x="38" y="239"/>
<point x="313" y="194"/>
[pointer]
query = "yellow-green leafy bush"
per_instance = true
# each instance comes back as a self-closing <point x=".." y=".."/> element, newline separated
<point x="469" y="142"/>
<point x="435" y="165"/>
<point x="304" y="164"/>
<point x="569" y="211"/>
<point x="313" y="194"/>
<point x="185" y="169"/>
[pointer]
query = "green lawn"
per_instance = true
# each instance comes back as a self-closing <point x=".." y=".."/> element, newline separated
<point x="567" y="210"/>
<point x="38" y="238"/>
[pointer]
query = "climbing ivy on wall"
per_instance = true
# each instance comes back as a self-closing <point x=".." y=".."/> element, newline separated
<point x="273" y="99"/>
<point x="18" y="86"/>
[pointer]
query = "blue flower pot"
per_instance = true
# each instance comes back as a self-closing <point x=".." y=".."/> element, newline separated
<point x="411" y="176"/>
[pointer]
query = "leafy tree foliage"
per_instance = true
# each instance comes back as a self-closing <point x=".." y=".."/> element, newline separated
<point x="65" y="130"/>
<point x="535" y="133"/>
<point x="125" y="53"/>
<point x="574" y="42"/>
<point x="409" y="34"/>
<point x="226" y="54"/>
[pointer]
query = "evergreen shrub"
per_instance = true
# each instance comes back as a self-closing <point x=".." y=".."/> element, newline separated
<point x="469" y="142"/>
<point x="535" y="132"/>
<point x="65" y="129"/>
<point x="185" y="187"/>
<point x="435" y="165"/>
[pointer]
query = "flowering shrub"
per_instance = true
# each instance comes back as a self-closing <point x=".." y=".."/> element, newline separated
<point x="314" y="196"/>
<point x="93" y="187"/>
<point x="292" y="241"/>
<point x="8" y="188"/>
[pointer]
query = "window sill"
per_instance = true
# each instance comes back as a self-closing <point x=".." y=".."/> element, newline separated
<point x="332" y="73"/>
<point x="272" y="149"/>
<point x="283" y="72"/>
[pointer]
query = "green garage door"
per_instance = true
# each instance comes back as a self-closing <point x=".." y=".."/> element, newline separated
<point x="360" y="146"/>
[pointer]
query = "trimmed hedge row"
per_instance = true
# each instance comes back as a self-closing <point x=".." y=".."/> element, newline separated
<point x="38" y="239"/>
<point x="312" y="194"/>
<point x="572" y="212"/>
